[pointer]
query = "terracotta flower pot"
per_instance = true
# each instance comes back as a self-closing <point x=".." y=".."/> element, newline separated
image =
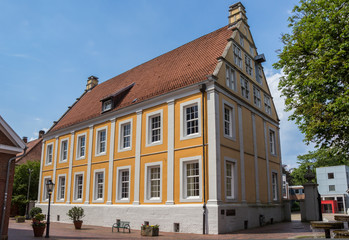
<point x="78" y="224"/>
<point x="39" y="230"/>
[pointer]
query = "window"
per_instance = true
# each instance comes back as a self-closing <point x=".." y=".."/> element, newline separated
<point x="64" y="151"/>
<point x="78" y="187"/>
<point x="242" y="41"/>
<point x="45" y="193"/>
<point x="107" y="105"/>
<point x="256" y="96"/>
<point x="272" y="142"/>
<point x="230" y="77"/>
<point x="154" y="182"/>
<point x="154" y="128"/>
<point x="230" y="180"/>
<point x="99" y="186"/>
<point x="190" y="179"/>
<point x="331" y="188"/>
<point x="228" y="121"/>
<point x="123" y="184"/>
<point x="248" y="64"/>
<point x="251" y="50"/>
<point x="275" y="186"/>
<point x="267" y="105"/>
<point x="61" y="188"/>
<point x="237" y="56"/>
<point x="190" y="119"/>
<point x="245" y="88"/>
<point x="81" y="148"/>
<point x="330" y="175"/>
<point x="125" y="135"/>
<point x="259" y="76"/>
<point x="49" y="151"/>
<point x="101" y="141"/>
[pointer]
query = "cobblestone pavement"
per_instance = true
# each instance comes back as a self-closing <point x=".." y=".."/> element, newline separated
<point x="58" y="231"/>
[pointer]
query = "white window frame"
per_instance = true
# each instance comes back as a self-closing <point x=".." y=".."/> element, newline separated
<point x="120" y="138"/>
<point x="98" y="130"/>
<point x="61" y="160"/>
<point x="148" y="130"/>
<point x="230" y="76"/>
<point x="59" y="197"/>
<point x="248" y="65"/>
<point x="272" y="145"/>
<point x="237" y="56"/>
<point x="95" y="198"/>
<point x="245" y="87"/>
<point x="267" y="104"/>
<point x="78" y="150"/>
<point x="232" y="135"/>
<point x="75" y="187"/>
<point x="257" y="95"/>
<point x="44" y="193"/>
<point x="47" y="154"/>
<point x="147" y="186"/>
<point x="105" y="104"/>
<point x="275" y="187"/>
<point x="183" y="182"/>
<point x="183" y="128"/>
<point x="234" y="186"/>
<point x="118" y="191"/>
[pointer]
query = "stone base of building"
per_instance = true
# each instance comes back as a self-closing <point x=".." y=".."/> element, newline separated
<point x="225" y="218"/>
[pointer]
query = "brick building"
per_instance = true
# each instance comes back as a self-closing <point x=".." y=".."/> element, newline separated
<point x="10" y="145"/>
<point x="33" y="152"/>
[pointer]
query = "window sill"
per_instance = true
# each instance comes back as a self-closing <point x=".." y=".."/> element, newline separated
<point x="186" y="137"/>
<point x="124" y="149"/>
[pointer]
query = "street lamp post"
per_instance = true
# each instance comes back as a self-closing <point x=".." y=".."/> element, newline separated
<point x="49" y="185"/>
<point x="27" y="206"/>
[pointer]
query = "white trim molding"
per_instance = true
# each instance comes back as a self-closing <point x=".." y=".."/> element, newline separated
<point x="111" y="162"/>
<point x="170" y="152"/>
<point x="148" y="141"/>
<point x="182" y="175"/>
<point x="138" y="157"/>
<point x="183" y="106"/>
<point x="89" y="161"/>
<point x="147" y="186"/>
<point x="54" y="168"/>
<point x="71" y="156"/>
<point x="118" y="190"/>
<point x="46" y="155"/>
<point x="121" y="135"/>
<point x="41" y="166"/>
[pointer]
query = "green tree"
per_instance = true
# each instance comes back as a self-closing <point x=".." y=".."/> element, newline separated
<point x="323" y="157"/>
<point x="315" y="60"/>
<point x="21" y="181"/>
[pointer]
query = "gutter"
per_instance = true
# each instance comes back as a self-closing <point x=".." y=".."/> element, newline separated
<point x="6" y="189"/>
<point x="202" y="90"/>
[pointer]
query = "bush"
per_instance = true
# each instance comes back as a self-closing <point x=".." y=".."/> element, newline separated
<point x="34" y="211"/>
<point x="295" y="207"/>
<point x="76" y="213"/>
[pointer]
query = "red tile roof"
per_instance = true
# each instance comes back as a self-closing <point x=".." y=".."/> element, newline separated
<point x="183" y="66"/>
<point x="30" y="146"/>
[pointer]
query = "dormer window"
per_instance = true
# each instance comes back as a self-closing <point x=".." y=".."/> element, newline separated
<point x="107" y="105"/>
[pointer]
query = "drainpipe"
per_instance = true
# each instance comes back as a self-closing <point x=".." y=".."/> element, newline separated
<point x="202" y="90"/>
<point x="6" y="189"/>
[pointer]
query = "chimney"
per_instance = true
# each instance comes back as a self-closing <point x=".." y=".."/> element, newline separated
<point x="25" y="139"/>
<point x="41" y="133"/>
<point x="92" y="81"/>
<point x="236" y="13"/>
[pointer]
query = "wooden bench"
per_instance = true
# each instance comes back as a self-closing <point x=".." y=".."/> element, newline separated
<point x="121" y="224"/>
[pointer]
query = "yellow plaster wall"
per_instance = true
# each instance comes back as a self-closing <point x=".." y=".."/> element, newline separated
<point x="105" y="156"/>
<point x="250" y="180"/>
<point x="247" y="130"/>
<point x="151" y="159"/>
<point x="262" y="174"/>
<point x="122" y="163"/>
<point x="260" y="137"/>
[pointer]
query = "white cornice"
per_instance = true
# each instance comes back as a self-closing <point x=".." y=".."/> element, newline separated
<point x="10" y="149"/>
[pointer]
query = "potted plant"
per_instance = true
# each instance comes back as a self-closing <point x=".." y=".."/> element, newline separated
<point x="34" y="211"/>
<point x="75" y="214"/>
<point x="150" y="230"/>
<point x="20" y="219"/>
<point x="38" y="225"/>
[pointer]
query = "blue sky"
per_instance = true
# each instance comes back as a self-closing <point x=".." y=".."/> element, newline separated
<point x="48" y="49"/>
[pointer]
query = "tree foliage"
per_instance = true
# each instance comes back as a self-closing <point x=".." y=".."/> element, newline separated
<point x="315" y="60"/>
<point x="323" y="157"/>
<point x="21" y="181"/>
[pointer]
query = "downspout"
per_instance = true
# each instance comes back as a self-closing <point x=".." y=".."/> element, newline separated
<point x="6" y="189"/>
<point x="202" y="90"/>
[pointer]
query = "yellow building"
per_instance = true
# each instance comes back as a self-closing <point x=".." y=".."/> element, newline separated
<point x="192" y="129"/>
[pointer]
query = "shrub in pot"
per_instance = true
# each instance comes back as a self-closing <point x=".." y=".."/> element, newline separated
<point x="34" y="211"/>
<point x="76" y="214"/>
<point x="38" y="225"/>
<point x="20" y="219"/>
